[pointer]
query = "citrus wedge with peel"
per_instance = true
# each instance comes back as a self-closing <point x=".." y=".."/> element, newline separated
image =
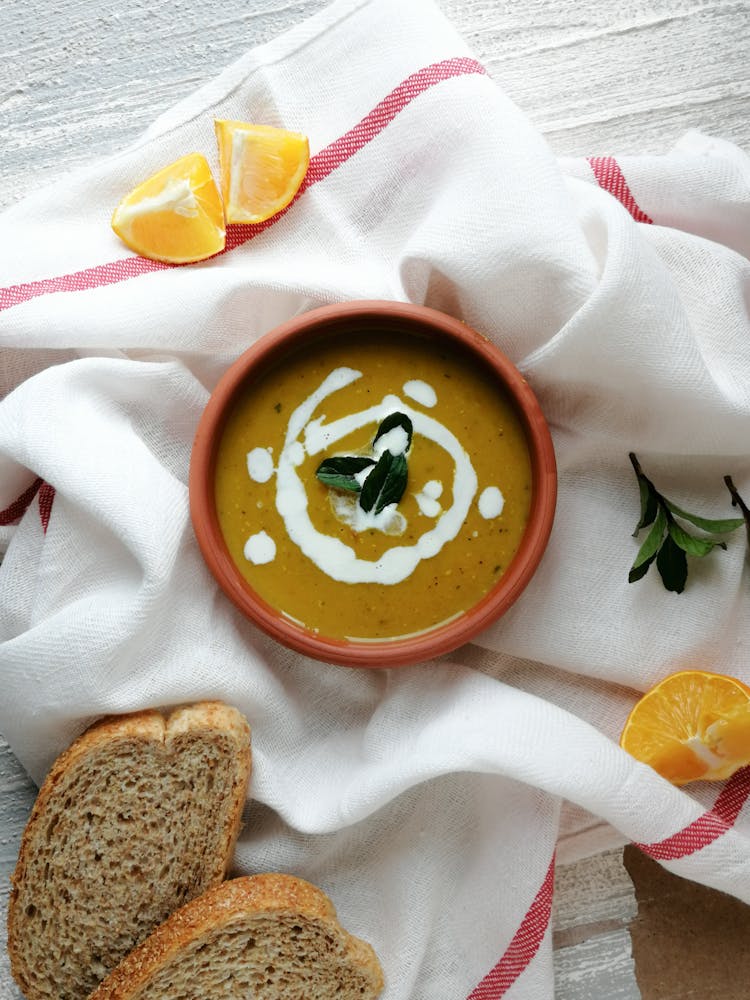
<point x="262" y="169"/>
<point x="691" y="726"/>
<point x="175" y="216"/>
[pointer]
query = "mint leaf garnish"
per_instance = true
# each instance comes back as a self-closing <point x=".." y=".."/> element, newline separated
<point x="386" y="484"/>
<point x="396" y="420"/>
<point x="386" y="481"/>
<point x="339" y="472"/>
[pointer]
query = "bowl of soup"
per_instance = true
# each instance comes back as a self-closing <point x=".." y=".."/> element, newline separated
<point x="373" y="483"/>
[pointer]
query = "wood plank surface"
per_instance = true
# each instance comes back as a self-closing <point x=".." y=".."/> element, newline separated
<point x="17" y="795"/>
<point x="86" y="77"/>
<point x="593" y="907"/>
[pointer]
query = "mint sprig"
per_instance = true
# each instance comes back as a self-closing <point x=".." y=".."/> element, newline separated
<point x="386" y="481"/>
<point x="669" y="543"/>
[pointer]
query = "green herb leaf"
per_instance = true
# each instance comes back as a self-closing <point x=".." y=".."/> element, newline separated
<point x="638" y="572"/>
<point x="386" y="483"/>
<point x="647" y="551"/>
<point x="649" y="503"/>
<point x="396" y="420"/>
<point x="690" y="544"/>
<point x="672" y="565"/>
<point x="711" y="525"/>
<point x="339" y="472"/>
<point x="648" y="494"/>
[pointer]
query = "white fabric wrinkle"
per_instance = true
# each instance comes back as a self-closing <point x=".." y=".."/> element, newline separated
<point x="393" y="790"/>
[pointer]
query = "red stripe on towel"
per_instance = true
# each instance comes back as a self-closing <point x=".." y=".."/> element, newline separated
<point x="321" y="165"/>
<point x="46" y="498"/>
<point x="80" y="281"/>
<point x="524" y="946"/>
<point x="611" y="178"/>
<point x="15" y="511"/>
<point x="707" y="828"/>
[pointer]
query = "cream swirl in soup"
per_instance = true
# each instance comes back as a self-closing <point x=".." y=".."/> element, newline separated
<point x="311" y="549"/>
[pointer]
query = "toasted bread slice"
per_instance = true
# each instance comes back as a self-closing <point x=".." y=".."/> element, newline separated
<point x="269" y="937"/>
<point x="137" y="817"/>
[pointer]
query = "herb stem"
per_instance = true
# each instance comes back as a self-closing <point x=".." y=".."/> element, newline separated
<point x="636" y="464"/>
<point x="737" y="501"/>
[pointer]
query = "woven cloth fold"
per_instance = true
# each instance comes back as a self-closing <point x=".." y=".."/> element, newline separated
<point x="427" y="801"/>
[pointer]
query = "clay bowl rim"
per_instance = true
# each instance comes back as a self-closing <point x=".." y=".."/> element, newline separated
<point x="399" y="651"/>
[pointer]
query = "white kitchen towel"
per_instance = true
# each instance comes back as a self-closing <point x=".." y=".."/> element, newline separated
<point x="425" y="800"/>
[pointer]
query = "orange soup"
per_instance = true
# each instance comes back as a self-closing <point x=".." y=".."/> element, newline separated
<point x="373" y="486"/>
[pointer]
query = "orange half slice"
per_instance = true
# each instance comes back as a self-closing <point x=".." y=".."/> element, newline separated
<point x="693" y="725"/>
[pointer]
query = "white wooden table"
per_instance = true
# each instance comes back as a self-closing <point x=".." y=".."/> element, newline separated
<point x="85" y="77"/>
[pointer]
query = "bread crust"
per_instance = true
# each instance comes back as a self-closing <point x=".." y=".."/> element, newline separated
<point x="215" y="715"/>
<point x="148" y="725"/>
<point x="221" y="906"/>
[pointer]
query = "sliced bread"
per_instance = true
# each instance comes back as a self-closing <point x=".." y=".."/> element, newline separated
<point x="269" y="937"/>
<point x="138" y="816"/>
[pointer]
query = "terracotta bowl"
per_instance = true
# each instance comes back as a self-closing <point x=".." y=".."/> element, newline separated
<point x="305" y="330"/>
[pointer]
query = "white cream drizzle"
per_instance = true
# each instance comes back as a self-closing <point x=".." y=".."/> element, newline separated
<point x="346" y="508"/>
<point x="330" y="554"/>
<point x="491" y="503"/>
<point x="362" y="476"/>
<point x="396" y="440"/>
<point x="260" y="465"/>
<point x="260" y="549"/>
<point x="427" y="500"/>
<point x="421" y="392"/>
<point x="427" y="506"/>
